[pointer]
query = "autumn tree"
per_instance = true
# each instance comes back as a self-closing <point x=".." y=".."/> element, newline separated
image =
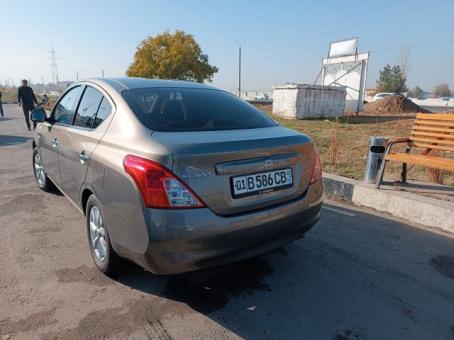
<point x="392" y="79"/>
<point x="442" y="90"/>
<point x="171" y="56"/>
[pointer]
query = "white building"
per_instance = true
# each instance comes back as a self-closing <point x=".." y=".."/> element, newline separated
<point x="308" y="101"/>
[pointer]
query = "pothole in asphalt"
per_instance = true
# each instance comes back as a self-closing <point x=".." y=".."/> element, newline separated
<point x="209" y="290"/>
<point x="444" y="265"/>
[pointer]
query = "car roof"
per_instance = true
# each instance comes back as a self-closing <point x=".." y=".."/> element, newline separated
<point x="126" y="83"/>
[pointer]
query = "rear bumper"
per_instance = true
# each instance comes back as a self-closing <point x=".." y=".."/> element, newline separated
<point x="182" y="241"/>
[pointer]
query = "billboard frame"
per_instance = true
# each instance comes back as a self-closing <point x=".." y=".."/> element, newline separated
<point x="345" y="65"/>
<point x="353" y="51"/>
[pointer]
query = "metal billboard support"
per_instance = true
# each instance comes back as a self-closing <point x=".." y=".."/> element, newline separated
<point x="345" y="67"/>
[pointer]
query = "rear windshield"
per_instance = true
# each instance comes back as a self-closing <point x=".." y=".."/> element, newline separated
<point x="181" y="109"/>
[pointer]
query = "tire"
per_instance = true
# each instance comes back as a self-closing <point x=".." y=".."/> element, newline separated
<point x="41" y="178"/>
<point x="104" y="257"/>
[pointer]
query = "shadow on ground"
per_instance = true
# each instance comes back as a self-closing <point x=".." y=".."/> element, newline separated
<point x="205" y="291"/>
<point x="6" y="140"/>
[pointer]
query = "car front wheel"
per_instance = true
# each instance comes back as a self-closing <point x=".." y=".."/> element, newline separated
<point x="105" y="258"/>
<point x="40" y="174"/>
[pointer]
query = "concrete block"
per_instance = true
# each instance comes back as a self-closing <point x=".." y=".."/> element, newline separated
<point x="308" y="101"/>
<point x="409" y="206"/>
<point x="338" y="189"/>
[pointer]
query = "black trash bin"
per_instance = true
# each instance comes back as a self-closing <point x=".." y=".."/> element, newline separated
<point x="375" y="154"/>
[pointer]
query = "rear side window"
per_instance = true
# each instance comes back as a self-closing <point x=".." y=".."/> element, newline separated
<point x="182" y="109"/>
<point x="103" y="112"/>
<point x="88" y="107"/>
<point x="66" y="107"/>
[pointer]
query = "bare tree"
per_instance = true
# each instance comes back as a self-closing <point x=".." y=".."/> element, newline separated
<point x="442" y="90"/>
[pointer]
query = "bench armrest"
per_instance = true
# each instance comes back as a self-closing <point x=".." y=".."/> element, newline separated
<point x="397" y="141"/>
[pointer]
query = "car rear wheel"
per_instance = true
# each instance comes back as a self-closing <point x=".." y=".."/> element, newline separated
<point x="105" y="258"/>
<point x="40" y="174"/>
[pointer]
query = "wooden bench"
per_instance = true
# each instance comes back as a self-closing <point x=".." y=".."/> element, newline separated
<point x="431" y="131"/>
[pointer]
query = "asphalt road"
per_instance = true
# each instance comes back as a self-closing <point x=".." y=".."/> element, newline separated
<point x="356" y="275"/>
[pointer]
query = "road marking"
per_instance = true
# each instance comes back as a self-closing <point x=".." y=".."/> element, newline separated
<point x="339" y="211"/>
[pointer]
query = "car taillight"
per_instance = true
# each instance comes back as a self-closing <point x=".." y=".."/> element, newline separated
<point x="159" y="187"/>
<point x="317" y="171"/>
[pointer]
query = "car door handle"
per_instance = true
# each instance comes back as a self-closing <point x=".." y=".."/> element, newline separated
<point x="83" y="157"/>
<point x="55" y="142"/>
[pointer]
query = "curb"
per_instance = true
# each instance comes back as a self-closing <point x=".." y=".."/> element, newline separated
<point x="412" y="207"/>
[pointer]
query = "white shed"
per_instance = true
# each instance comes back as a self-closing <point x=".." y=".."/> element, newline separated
<point x="308" y="101"/>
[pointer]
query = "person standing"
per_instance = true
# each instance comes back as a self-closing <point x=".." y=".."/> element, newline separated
<point x="27" y="100"/>
<point x="1" y="106"/>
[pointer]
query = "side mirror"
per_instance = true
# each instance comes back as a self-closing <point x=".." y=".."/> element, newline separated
<point x="38" y="115"/>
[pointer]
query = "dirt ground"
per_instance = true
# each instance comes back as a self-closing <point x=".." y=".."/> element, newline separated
<point x="356" y="275"/>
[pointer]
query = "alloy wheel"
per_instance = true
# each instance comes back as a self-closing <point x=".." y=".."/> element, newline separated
<point x="39" y="170"/>
<point x="98" y="234"/>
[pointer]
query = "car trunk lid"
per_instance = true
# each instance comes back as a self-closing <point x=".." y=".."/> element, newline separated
<point x="208" y="160"/>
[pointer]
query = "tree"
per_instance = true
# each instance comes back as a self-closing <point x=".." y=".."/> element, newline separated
<point x="416" y="92"/>
<point x="442" y="90"/>
<point x="171" y="56"/>
<point x="391" y="79"/>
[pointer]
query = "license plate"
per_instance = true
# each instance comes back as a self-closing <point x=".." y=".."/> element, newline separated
<point x="261" y="183"/>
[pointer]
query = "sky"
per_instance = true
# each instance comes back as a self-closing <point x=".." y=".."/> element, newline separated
<point x="284" y="41"/>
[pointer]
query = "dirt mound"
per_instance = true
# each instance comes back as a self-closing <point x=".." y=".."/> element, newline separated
<point x="392" y="105"/>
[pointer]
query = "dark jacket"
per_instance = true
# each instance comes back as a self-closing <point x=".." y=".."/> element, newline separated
<point x="26" y="96"/>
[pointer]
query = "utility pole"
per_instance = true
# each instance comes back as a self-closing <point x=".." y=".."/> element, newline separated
<point x="240" y="44"/>
<point x="102" y="71"/>
<point x="77" y="75"/>
<point x="54" y="66"/>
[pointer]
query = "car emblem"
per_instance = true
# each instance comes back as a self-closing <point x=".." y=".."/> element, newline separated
<point x="268" y="164"/>
<point x="193" y="173"/>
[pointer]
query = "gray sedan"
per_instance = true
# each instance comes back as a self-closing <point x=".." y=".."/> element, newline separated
<point x="176" y="176"/>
